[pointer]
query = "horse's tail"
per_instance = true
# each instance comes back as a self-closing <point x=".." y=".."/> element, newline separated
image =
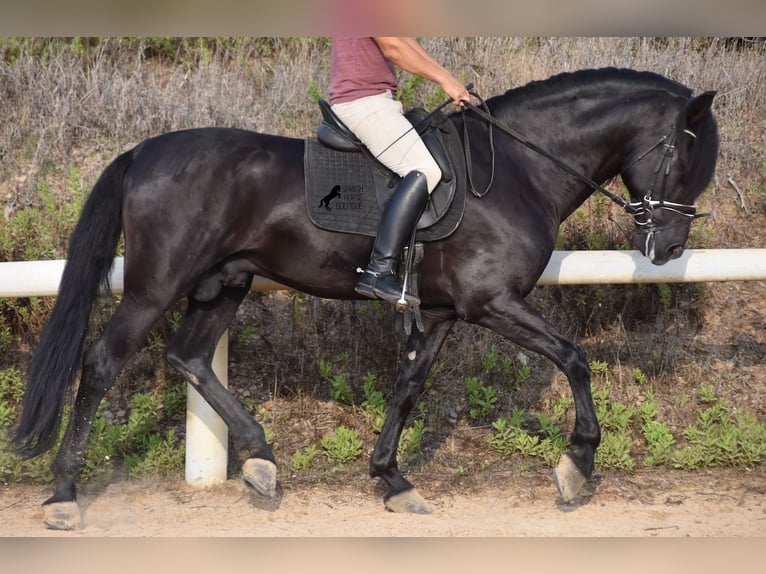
<point x="55" y="362"/>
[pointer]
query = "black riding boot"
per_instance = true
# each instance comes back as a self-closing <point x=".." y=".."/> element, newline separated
<point x="396" y="226"/>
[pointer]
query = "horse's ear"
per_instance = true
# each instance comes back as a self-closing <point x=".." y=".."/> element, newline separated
<point x="695" y="120"/>
<point x="697" y="107"/>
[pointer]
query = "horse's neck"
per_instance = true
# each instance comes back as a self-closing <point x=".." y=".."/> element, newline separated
<point x="597" y="140"/>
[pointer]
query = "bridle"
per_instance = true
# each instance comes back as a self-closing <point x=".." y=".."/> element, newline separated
<point x="643" y="211"/>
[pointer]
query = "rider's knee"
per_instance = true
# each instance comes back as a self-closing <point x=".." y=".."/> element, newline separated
<point x="433" y="176"/>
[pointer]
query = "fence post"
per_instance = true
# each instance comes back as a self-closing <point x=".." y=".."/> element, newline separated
<point x="207" y="436"/>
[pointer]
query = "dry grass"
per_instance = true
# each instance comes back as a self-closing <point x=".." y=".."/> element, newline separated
<point x="116" y="93"/>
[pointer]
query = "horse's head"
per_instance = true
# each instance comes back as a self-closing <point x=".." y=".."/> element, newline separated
<point x="665" y="180"/>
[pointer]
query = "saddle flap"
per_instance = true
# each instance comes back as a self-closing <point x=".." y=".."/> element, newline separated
<point x="429" y="132"/>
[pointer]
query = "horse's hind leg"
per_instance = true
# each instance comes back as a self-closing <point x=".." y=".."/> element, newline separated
<point x="419" y="355"/>
<point x="122" y="337"/>
<point x="191" y="352"/>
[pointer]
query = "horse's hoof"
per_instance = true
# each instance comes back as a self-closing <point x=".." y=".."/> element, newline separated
<point x="409" y="502"/>
<point x="569" y="480"/>
<point x="62" y="516"/>
<point x="261" y="476"/>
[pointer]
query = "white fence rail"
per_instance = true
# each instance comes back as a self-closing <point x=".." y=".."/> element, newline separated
<point x="207" y="435"/>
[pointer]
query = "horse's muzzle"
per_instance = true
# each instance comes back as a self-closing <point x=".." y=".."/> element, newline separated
<point x="650" y="243"/>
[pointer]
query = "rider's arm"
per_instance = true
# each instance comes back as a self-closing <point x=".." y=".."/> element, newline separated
<point x="409" y="55"/>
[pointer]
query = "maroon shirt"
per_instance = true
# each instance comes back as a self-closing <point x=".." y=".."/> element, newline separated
<point x="357" y="69"/>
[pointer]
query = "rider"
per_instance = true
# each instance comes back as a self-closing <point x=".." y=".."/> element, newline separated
<point x="363" y="86"/>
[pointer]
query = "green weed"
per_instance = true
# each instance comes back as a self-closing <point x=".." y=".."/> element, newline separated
<point x="490" y="360"/>
<point x="481" y="398"/>
<point x="407" y="89"/>
<point x="6" y="338"/>
<point x="411" y="440"/>
<point x="135" y="443"/>
<point x="11" y="386"/>
<point x="562" y="406"/>
<point x="659" y="439"/>
<point x="639" y="376"/>
<point x="614" y="451"/>
<point x="302" y="459"/>
<point x="340" y="388"/>
<point x="523" y="373"/>
<point x="315" y="92"/>
<point x="374" y="402"/>
<point x="615" y="419"/>
<point x="717" y="438"/>
<point x="342" y="446"/>
<point x="666" y="296"/>
<point x="7" y="416"/>
<point x="174" y="398"/>
<point x="247" y="333"/>
<point x="163" y="457"/>
<point x="325" y="369"/>
<point x="508" y="439"/>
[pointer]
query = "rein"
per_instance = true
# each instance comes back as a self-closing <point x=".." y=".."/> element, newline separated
<point x="640" y="210"/>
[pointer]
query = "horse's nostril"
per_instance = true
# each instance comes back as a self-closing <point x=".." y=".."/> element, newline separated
<point x="675" y="251"/>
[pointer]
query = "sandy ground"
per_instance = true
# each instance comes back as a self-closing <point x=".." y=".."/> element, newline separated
<point x="725" y="503"/>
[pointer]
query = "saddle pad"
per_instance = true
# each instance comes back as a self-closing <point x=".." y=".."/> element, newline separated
<point x="341" y="193"/>
<point x="340" y="190"/>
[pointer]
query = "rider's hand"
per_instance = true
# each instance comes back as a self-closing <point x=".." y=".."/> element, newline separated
<point x="456" y="91"/>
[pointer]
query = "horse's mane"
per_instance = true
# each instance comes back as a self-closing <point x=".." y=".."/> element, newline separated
<point x="612" y="79"/>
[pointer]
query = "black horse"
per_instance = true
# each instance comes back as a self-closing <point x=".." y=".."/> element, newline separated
<point x="204" y="210"/>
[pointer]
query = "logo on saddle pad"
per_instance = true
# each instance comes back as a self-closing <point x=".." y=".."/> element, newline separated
<point x="346" y="197"/>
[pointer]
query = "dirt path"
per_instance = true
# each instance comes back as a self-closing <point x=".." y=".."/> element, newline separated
<point x="646" y="504"/>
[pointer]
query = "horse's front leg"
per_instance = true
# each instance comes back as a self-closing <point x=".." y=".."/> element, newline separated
<point x="419" y="355"/>
<point x="518" y="321"/>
